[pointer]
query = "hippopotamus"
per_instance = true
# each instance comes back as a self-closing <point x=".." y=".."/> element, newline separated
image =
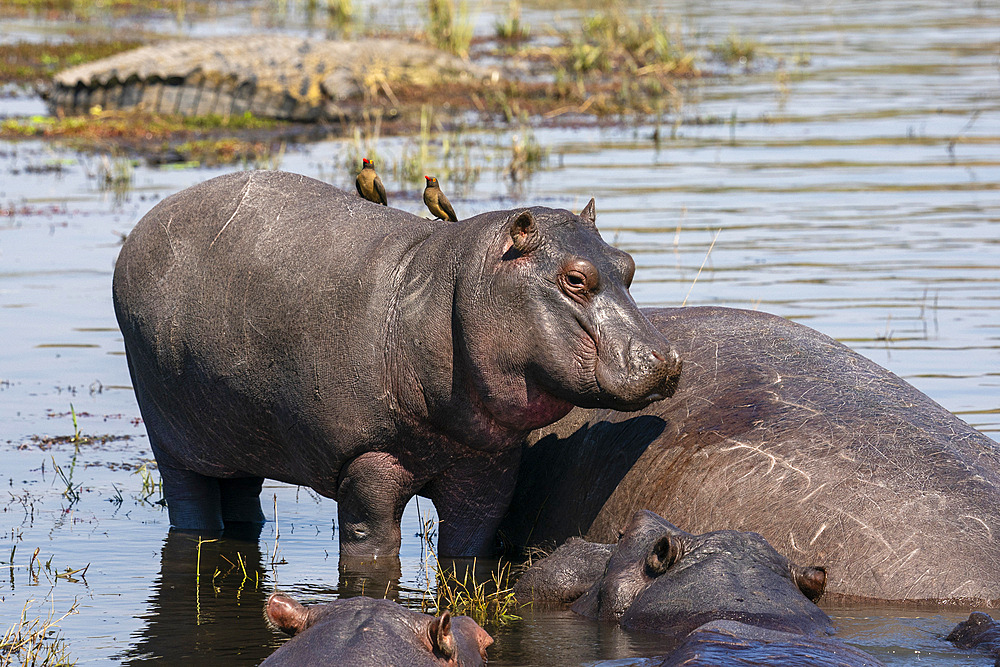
<point x="779" y="429"/>
<point x="980" y="631"/>
<point x="278" y="327"/>
<point x="364" y="632"/>
<point x="658" y="578"/>
<point x="732" y="644"/>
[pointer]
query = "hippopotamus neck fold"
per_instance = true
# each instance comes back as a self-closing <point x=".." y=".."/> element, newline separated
<point x="465" y="391"/>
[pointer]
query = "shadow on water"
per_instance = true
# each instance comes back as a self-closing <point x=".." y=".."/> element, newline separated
<point x="207" y="604"/>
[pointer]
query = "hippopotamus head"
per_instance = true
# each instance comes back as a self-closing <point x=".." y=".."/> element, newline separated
<point x="662" y="579"/>
<point x="554" y="324"/>
<point x="366" y="632"/>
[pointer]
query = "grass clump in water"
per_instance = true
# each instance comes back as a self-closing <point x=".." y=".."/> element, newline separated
<point x="736" y="50"/>
<point x="486" y="602"/>
<point x="448" y="26"/>
<point x="35" y="641"/>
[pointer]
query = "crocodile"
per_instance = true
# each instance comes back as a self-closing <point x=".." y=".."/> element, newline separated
<point x="271" y="76"/>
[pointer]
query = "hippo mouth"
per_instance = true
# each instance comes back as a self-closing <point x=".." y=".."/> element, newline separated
<point x="628" y="394"/>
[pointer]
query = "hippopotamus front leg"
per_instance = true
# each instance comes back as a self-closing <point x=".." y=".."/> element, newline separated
<point x="470" y="498"/>
<point x="371" y="495"/>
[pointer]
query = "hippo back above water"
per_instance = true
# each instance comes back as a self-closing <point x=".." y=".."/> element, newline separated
<point x="278" y="327"/>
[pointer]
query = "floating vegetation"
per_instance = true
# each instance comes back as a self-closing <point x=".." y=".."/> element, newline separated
<point x="736" y="50"/>
<point x="35" y="640"/>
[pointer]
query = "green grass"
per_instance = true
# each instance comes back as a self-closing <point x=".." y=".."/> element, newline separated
<point x="489" y="602"/>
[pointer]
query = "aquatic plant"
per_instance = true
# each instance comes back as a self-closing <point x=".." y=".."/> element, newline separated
<point x="448" y="26"/>
<point x="511" y="29"/>
<point x="736" y="50"/>
<point x="527" y="155"/>
<point x="487" y="602"/>
<point x="35" y="640"/>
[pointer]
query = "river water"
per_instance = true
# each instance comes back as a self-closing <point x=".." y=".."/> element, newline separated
<point x="849" y="179"/>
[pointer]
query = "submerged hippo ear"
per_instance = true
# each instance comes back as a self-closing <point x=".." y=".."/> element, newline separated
<point x="810" y="580"/>
<point x="589" y="213"/>
<point x="524" y="232"/>
<point x="285" y="614"/>
<point x="442" y="639"/>
<point x="665" y="552"/>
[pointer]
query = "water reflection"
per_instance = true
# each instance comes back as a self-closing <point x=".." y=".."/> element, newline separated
<point x="206" y="606"/>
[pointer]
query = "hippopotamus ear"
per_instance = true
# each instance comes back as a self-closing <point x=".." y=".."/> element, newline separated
<point x="665" y="552"/>
<point x="524" y="232"/>
<point x="442" y="639"/>
<point x="285" y="614"/>
<point x="589" y="213"/>
<point x="810" y="580"/>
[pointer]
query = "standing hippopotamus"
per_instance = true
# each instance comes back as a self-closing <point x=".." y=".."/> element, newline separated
<point x="363" y="632"/>
<point x="779" y="429"/>
<point x="278" y="327"/>
<point x="661" y="579"/>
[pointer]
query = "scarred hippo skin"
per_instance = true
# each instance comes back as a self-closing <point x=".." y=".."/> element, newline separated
<point x="779" y="429"/>
<point x="278" y="327"/>
<point x="362" y="632"/>
<point x="732" y="644"/>
<point x="979" y="632"/>
<point x="661" y="579"/>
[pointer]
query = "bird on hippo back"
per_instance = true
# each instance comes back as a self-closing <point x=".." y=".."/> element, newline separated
<point x="278" y="327"/>
<point x="777" y="428"/>
<point x="436" y="202"/>
<point x="369" y="184"/>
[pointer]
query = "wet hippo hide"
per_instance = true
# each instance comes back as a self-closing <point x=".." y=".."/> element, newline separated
<point x="779" y="429"/>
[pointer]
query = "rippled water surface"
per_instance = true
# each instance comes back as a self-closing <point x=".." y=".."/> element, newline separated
<point x="850" y="180"/>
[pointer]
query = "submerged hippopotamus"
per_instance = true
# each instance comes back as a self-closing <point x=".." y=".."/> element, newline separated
<point x="661" y="579"/>
<point x="722" y="598"/>
<point x="779" y="429"/>
<point x="278" y="327"/>
<point x="981" y="632"/>
<point x="363" y="632"/>
<point x="735" y="644"/>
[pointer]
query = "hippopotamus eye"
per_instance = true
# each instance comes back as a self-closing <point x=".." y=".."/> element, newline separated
<point x="579" y="278"/>
<point x="664" y="553"/>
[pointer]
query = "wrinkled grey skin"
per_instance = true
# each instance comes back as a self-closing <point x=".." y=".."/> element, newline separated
<point x="661" y="579"/>
<point x="565" y="574"/>
<point x="278" y="327"/>
<point x="733" y="644"/>
<point x="779" y="429"/>
<point x="362" y="632"/>
<point x="981" y="632"/>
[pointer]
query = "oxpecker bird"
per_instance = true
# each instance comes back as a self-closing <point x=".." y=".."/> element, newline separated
<point x="369" y="185"/>
<point x="437" y="202"/>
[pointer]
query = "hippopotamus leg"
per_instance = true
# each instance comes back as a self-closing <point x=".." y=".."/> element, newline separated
<point x="240" y="500"/>
<point x="470" y="498"/>
<point x="199" y="502"/>
<point x="373" y="490"/>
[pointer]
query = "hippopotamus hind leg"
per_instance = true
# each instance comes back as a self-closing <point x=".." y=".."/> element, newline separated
<point x="240" y="500"/>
